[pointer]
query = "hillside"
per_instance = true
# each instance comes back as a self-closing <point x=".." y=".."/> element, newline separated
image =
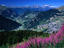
<point x="7" y="24"/>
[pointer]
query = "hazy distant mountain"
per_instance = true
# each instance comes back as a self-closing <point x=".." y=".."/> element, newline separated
<point x="61" y="8"/>
<point x="7" y="24"/>
<point x="20" y="10"/>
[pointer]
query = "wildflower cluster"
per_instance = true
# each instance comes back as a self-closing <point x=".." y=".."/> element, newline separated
<point x="43" y="42"/>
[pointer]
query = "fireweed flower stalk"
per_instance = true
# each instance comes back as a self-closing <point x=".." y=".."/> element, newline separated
<point x="52" y="39"/>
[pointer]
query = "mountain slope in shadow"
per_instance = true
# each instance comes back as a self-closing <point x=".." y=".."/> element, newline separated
<point x="7" y="24"/>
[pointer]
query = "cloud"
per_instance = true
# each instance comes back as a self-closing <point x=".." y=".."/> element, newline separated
<point x="52" y="6"/>
<point x="48" y="6"/>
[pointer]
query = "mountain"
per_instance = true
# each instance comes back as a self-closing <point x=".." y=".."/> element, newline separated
<point x="20" y="10"/>
<point x="40" y="17"/>
<point x="14" y="13"/>
<point x="8" y="13"/>
<point x="33" y="17"/>
<point x="7" y="24"/>
<point x="23" y="12"/>
<point x="61" y="8"/>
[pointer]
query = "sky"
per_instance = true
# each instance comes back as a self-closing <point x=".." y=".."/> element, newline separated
<point x="20" y="3"/>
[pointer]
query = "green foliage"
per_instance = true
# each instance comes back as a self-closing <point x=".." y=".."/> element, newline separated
<point x="12" y="37"/>
<point x="4" y="46"/>
<point x="60" y="45"/>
